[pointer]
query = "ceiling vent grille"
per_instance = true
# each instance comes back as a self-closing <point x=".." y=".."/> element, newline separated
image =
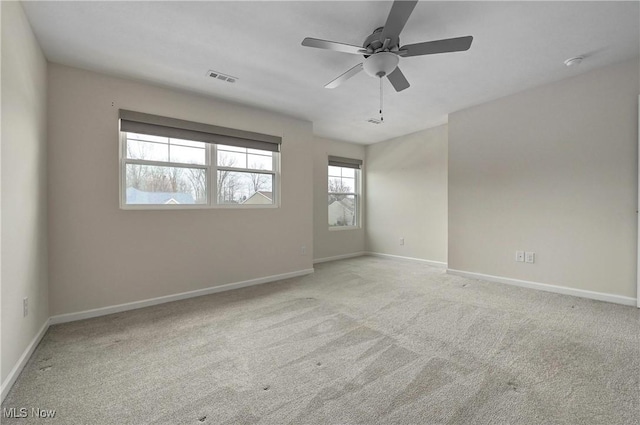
<point x="374" y="121"/>
<point x="222" y="77"/>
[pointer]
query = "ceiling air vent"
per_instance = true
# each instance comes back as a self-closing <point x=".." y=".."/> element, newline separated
<point x="222" y="77"/>
<point x="374" y="121"/>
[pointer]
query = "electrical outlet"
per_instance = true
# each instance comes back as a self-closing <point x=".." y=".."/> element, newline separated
<point x="25" y="306"/>
<point x="401" y="241"/>
<point x="520" y="256"/>
<point x="530" y="257"/>
<point x="303" y="250"/>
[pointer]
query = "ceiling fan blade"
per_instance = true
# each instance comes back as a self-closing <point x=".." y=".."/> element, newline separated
<point x="332" y="45"/>
<point x="398" y="16"/>
<point x="458" y="44"/>
<point x="398" y="80"/>
<point x="344" y="77"/>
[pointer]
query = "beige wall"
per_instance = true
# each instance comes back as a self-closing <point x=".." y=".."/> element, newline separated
<point x="23" y="182"/>
<point x="407" y="195"/>
<point x="101" y="255"/>
<point x="333" y="243"/>
<point x="551" y="170"/>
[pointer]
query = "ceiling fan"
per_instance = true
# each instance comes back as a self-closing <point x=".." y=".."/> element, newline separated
<point x="382" y="50"/>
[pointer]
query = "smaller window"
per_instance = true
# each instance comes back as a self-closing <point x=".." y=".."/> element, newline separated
<point x="344" y="192"/>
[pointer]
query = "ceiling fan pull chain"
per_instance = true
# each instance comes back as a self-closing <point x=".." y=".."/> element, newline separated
<point x="381" y="117"/>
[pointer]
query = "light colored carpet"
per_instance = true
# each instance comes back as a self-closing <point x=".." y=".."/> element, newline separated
<point x="361" y="341"/>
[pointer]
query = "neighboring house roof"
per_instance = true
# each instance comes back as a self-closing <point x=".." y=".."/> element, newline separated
<point x="342" y="213"/>
<point x="260" y="197"/>
<point x="346" y="203"/>
<point x="135" y="196"/>
<point x="265" y="194"/>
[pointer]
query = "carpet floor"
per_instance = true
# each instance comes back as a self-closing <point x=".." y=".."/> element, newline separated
<point x="361" y="341"/>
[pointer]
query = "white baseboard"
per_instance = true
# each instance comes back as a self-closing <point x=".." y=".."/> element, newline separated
<point x="600" y="296"/>
<point x="339" y="257"/>
<point x="22" y="362"/>
<point x="103" y="311"/>
<point x="438" y="264"/>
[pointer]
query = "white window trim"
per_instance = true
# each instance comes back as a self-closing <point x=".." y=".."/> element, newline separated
<point x="211" y="169"/>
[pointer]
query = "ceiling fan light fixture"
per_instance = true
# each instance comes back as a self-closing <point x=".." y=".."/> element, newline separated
<point x="381" y="64"/>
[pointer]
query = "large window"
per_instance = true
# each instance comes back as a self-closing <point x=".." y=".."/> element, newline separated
<point x="344" y="192"/>
<point x="170" y="167"/>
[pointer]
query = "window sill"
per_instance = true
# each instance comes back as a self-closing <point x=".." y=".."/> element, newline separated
<point x="194" y="207"/>
<point x="341" y="228"/>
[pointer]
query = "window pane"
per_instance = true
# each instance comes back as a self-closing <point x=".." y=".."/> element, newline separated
<point x="145" y="150"/>
<point x="189" y="143"/>
<point x="232" y="159"/>
<point x="335" y="171"/>
<point x="244" y="188"/>
<point x="231" y="148"/>
<point x="334" y="184"/>
<point x="260" y="162"/>
<point x="188" y="155"/>
<point x="342" y="210"/>
<point x="154" y="185"/>
<point x="348" y="172"/>
<point x="348" y="185"/>
<point x="147" y="137"/>
<point x="341" y="185"/>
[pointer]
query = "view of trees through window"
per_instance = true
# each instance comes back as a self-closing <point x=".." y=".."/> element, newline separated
<point x="235" y="186"/>
<point x="343" y="196"/>
<point x="168" y="171"/>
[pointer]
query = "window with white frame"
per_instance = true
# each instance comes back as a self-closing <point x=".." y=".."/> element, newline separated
<point x="168" y="163"/>
<point x="344" y="192"/>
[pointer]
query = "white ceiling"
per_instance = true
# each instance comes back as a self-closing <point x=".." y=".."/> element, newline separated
<point x="517" y="45"/>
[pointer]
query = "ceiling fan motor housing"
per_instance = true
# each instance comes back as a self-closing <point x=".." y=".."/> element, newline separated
<point x="381" y="64"/>
<point x="373" y="42"/>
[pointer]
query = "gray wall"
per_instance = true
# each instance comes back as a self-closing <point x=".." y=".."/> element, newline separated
<point x="407" y="195"/>
<point x="23" y="181"/>
<point x="551" y="170"/>
<point x="101" y="255"/>
<point x="333" y="243"/>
